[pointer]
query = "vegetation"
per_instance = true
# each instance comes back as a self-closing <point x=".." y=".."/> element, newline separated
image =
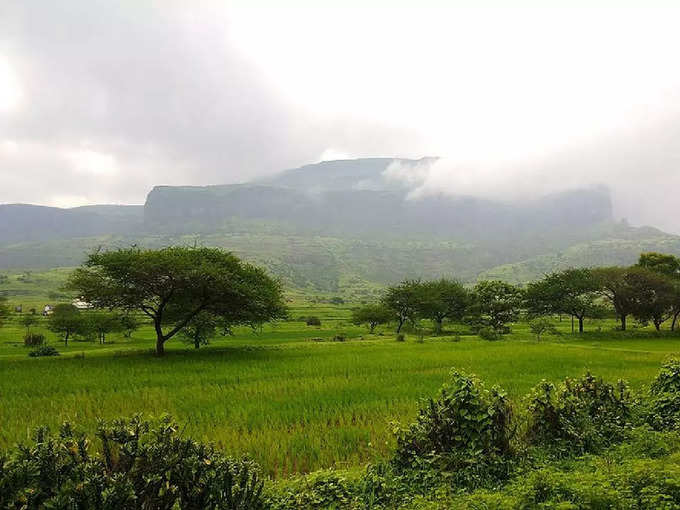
<point x="172" y="286"/>
<point x="372" y="315"/>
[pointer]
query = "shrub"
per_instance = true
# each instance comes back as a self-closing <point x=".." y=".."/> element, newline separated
<point x="542" y="326"/>
<point x="44" y="350"/>
<point x="322" y="489"/>
<point x="401" y="337"/>
<point x="313" y="321"/>
<point x="489" y="333"/>
<point x="664" y="403"/>
<point x="140" y="466"/>
<point x="466" y="432"/>
<point x="33" y="339"/>
<point x="585" y="415"/>
<point x="339" y="338"/>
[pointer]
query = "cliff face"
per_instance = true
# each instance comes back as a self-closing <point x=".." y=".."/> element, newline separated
<point x="355" y="198"/>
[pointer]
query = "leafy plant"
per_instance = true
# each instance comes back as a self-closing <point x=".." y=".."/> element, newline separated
<point x="44" y="350"/>
<point x="664" y="405"/>
<point x="584" y="415"/>
<point x="466" y="432"/>
<point x="33" y="339"/>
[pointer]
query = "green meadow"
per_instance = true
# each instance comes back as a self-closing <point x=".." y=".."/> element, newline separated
<point x="289" y="396"/>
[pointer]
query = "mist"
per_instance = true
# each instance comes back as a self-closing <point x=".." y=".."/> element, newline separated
<point x="101" y="102"/>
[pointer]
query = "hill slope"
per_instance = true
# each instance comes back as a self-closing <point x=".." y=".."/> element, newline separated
<point x="342" y="225"/>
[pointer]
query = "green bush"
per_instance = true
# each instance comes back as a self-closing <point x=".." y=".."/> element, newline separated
<point x="44" y="350"/>
<point x="313" y="321"/>
<point x="33" y="339"/>
<point x="489" y="333"/>
<point x="466" y="432"/>
<point x="400" y="337"/>
<point x="136" y="466"/>
<point x="584" y="415"/>
<point x="664" y="403"/>
<point x="322" y="489"/>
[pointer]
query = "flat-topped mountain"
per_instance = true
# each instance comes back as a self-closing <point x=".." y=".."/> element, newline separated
<point x="342" y="224"/>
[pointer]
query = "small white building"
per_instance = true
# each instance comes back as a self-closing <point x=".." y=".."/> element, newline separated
<point x="81" y="305"/>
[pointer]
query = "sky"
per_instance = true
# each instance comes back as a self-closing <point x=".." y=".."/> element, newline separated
<point x="100" y="101"/>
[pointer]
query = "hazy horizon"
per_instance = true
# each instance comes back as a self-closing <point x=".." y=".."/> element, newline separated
<point x="99" y="103"/>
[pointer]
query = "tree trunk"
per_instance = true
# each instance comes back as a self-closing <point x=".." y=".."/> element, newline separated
<point x="66" y="339"/>
<point x="438" y="326"/>
<point x="580" y="324"/>
<point x="623" y="322"/>
<point x="572" y="324"/>
<point x="160" y="339"/>
<point x="657" y="325"/>
<point x="675" y="320"/>
<point x="401" y="323"/>
<point x="371" y="327"/>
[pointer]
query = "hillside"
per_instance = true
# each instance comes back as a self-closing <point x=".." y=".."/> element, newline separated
<point x="342" y="226"/>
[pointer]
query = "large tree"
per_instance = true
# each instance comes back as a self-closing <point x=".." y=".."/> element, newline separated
<point x="443" y="299"/>
<point x="404" y="301"/>
<point x="655" y="296"/>
<point x="65" y="320"/>
<point x="668" y="265"/>
<point x="572" y="291"/>
<point x="497" y="303"/>
<point x="372" y="314"/>
<point x="178" y="283"/>
<point x="615" y="286"/>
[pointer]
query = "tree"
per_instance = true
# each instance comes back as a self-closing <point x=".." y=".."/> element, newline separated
<point x="104" y="322"/>
<point x="372" y="314"/>
<point x="668" y="265"/>
<point x="497" y="303"/>
<point x="404" y="301"/>
<point x="443" y="299"/>
<point x="655" y="296"/>
<point x="28" y="321"/>
<point x="129" y="324"/>
<point x="540" y="326"/>
<point x="65" y="320"/>
<point x="614" y="285"/>
<point x="572" y="291"/>
<point x="200" y="330"/>
<point x="184" y="281"/>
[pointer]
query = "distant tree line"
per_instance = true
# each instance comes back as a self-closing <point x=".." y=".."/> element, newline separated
<point x="648" y="291"/>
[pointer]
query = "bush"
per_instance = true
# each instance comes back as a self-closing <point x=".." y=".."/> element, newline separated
<point x="44" y="350"/>
<point x="401" y="337"/>
<point x="140" y="466"/>
<point x="313" y="321"/>
<point x="488" y="333"/>
<point x="466" y="432"/>
<point x="33" y="339"/>
<point x="664" y="405"/>
<point x="322" y="489"/>
<point x="339" y="338"/>
<point x="584" y="416"/>
<point x="541" y="326"/>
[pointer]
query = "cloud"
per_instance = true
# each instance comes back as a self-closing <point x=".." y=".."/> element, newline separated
<point x="103" y="100"/>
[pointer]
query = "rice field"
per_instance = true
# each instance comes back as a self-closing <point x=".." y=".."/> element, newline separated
<point x="288" y="396"/>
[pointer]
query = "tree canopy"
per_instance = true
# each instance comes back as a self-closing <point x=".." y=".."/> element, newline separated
<point x="173" y="285"/>
<point x="443" y="299"/>
<point x="372" y="314"/>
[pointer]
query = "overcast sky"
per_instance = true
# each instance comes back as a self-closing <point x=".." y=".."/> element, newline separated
<point x="99" y="101"/>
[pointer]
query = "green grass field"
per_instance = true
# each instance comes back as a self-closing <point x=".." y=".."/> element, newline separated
<point x="292" y="403"/>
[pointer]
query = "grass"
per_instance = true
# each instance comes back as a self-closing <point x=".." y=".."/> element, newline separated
<point x="293" y="404"/>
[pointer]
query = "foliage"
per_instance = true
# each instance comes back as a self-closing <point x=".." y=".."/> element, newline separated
<point x="497" y="304"/>
<point x="654" y="296"/>
<point x="179" y="282"/>
<point x="43" y="350"/>
<point x="66" y="320"/>
<point x="322" y="489"/>
<point x="466" y="432"/>
<point x="443" y="299"/>
<point x="540" y="326"/>
<point x="404" y="301"/>
<point x="372" y="315"/>
<point x="583" y="415"/>
<point x="572" y="292"/>
<point x="129" y="324"/>
<point x="34" y="339"/>
<point x="199" y="330"/>
<point x="664" y="405"/>
<point x="28" y="321"/>
<point x="138" y="465"/>
<point x="313" y="321"/>
<point x="488" y="333"/>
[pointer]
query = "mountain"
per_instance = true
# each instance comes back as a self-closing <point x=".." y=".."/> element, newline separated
<point x="342" y="225"/>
